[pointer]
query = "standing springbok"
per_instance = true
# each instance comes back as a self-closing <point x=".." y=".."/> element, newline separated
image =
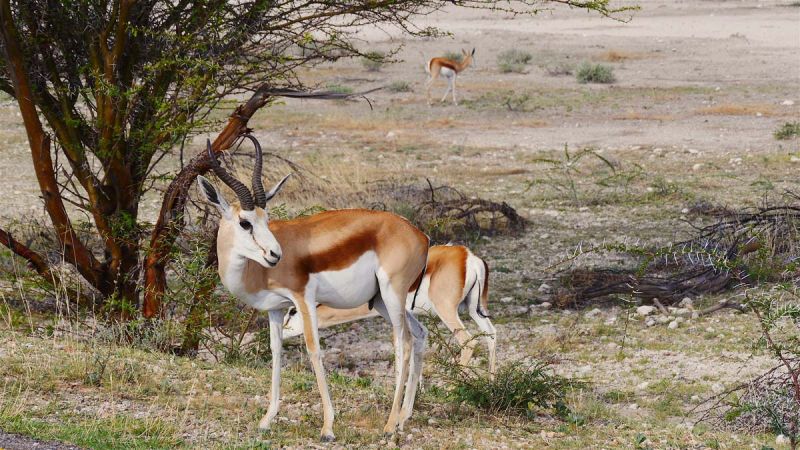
<point x="448" y="69"/>
<point x="455" y="278"/>
<point x="341" y="259"/>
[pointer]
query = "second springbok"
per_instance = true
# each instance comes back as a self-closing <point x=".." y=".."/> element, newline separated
<point x="341" y="259"/>
<point x="454" y="279"/>
<point x="449" y="69"/>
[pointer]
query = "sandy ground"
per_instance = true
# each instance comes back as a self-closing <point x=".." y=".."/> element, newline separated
<point x="702" y="86"/>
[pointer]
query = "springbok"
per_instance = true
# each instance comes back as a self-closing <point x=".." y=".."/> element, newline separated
<point x="449" y="69"/>
<point x="454" y="279"/>
<point x="341" y="259"/>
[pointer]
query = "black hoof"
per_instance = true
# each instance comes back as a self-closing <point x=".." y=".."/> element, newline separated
<point x="327" y="438"/>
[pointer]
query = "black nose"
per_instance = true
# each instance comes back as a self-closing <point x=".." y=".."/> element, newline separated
<point x="274" y="255"/>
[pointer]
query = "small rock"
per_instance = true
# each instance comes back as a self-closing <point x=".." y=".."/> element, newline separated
<point x="650" y="322"/>
<point x="583" y="208"/>
<point x="695" y="398"/>
<point x="717" y="388"/>
<point x="781" y="440"/>
<point x="633" y="406"/>
<point x="645" y="310"/>
<point x="695" y="315"/>
<point x="697" y="167"/>
<point x="544" y="287"/>
<point x="682" y="312"/>
<point x="663" y="319"/>
<point x="643" y="386"/>
<point x="391" y="135"/>
<point x="507" y="299"/>
<point x="545" y="305"/>
<point x="787" y="103"/>
<point x="686" y="303"/>
<point x="593" y="313"/>
<point x="673" y="325"/>
<point x="710" y="330"/>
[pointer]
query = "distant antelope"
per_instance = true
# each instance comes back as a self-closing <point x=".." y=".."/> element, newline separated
<point x="341" y="259"/>
<point x="450" y="70"/>
<point x="454" y="279"/>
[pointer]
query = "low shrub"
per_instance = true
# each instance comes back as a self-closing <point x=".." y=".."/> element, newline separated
<point x="399" y="86"/>
<point x="373" y="61"/>
<point x="513" y="61"/>
<point x="595" y="73"/>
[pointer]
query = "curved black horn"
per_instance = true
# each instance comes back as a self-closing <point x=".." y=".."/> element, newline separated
<point x="245" y="199"/>
<point x="258" y="188"/>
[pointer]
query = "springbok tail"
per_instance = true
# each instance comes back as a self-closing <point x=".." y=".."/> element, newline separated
<point x="483" y="305"/>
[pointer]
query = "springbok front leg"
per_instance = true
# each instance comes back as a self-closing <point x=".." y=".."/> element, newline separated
<point x="449" y="316"/>
<point x="276" y="345"/>
<point x="307" y="306"/>
<point x="449" y="88"/>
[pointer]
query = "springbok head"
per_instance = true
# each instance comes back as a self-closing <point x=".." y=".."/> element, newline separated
<point x="246" y="225"/>
<point x="468" y="57"/>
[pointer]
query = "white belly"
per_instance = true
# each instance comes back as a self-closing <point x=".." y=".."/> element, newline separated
<point x="350" y="287"/>
<point x="446" y="72"/>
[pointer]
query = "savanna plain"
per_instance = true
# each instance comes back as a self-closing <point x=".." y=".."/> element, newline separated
<point x="688" y="124"/>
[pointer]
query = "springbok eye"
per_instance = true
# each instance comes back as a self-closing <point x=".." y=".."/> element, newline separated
<point x="292" y="311"/>
<point x="246" y="225"/>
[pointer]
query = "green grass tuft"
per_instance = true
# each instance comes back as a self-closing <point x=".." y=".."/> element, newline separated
<point x="399" y="86"/>
<point x="787" y="131"/>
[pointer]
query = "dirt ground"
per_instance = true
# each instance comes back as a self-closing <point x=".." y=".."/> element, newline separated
<point x="701" y="87"/>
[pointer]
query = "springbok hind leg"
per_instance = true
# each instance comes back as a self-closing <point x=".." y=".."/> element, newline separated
<point x="451" y="320"/>
<point x="420" y="335"/>
<point x="396" y="314"/>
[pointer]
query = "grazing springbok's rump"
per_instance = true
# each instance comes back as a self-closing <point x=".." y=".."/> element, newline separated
<point x="448" y="69"/>
<point x="341" y="259"/>
<point x="454" y="279"/>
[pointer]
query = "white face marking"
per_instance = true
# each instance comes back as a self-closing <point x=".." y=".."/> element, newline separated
<point x="252" y="238"/>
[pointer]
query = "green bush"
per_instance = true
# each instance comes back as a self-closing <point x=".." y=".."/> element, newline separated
<point x="513" y="61"/>
<point x="374" y="60"/>
<point x="399" y="86"/>
<point x="788" y="130"/>
<point x="520" y="387"/>
<point x="595" y="73"/>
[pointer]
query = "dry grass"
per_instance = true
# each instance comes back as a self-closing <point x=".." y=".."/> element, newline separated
<point x="635" y="115"/>
<point x="733" y="109"/>
<point x="619" y="56"/>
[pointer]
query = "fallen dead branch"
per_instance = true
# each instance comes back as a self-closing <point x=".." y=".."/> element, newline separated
<point x="739" y="249"/>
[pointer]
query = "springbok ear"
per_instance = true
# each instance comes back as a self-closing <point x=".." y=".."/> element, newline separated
<point x="464" y="52"/>
<point x="213" y="196"/>
<point x="277" y="187"/>
<point x="473" y="51"/>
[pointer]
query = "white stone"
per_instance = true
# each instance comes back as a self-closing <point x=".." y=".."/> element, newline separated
<point x="787" y="103"/>
<point x="545" y="305"/>
<point x="643" y="386"/>
<point x="697" y="167"/>
<point x="645" y="310"/>
<point x="717" y="388"/>
<point x="686" y="303"/>
<point x="507" y="299"/>
<point x="650" y="322"/>
<point x="673" y="325"/>
<point x="782" y="440"/>
<point x="544" y="287"/>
